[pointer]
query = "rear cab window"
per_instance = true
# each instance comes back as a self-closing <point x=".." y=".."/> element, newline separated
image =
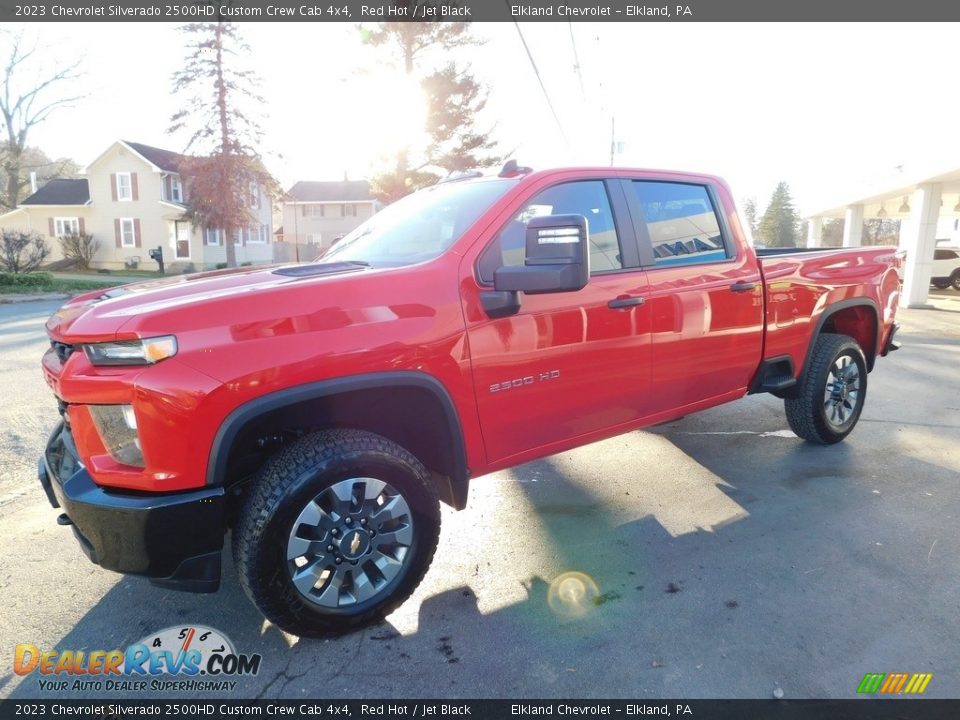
<point x="681" y="223"/>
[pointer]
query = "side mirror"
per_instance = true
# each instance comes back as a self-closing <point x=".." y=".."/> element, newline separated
<point x="557" y="259"/>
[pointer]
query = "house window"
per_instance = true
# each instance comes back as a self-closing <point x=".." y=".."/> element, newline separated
<point x="128" y="236"/>
<point x="124" y="186"/>
<point x="212" y="236"/>
<point x="313" y="211"/>
<point x="66" y="226"/>
<point x="176" y="189"/>
<point x="238" y="236"/>
<point x="313" y="239"/>
<point x="348" y="210"/>
<point x="256" y="235"/>
<point x="264" y="233"/>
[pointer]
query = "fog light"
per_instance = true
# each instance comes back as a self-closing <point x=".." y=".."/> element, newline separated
<point x="117" y="425"/>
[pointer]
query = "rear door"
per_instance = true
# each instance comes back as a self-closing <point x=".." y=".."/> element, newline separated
<point x="705" y="294"/>
<point x="567" y="364"/>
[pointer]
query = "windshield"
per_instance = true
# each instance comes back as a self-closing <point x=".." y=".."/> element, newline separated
<point x="420" y="226"/>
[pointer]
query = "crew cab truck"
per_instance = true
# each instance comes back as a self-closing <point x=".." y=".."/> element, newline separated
<point x="321" y="412"/>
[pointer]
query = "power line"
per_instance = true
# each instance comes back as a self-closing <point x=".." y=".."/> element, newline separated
<point x="543" y="87"/>
<point x="576" y="60"/>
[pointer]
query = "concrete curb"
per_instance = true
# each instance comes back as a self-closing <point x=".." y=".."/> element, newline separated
<point x="31" y="297"/>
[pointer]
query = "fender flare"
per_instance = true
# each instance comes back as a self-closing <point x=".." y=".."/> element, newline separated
<point x="833" y="309"/>
<point x="248" y="411"/>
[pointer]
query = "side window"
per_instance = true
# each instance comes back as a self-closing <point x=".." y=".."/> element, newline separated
<point x="585" y="197"/>
<point x="944" y="255"/>
<point x="681" y="222"/>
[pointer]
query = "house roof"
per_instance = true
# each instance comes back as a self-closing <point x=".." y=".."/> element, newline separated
<point x="60" y="191"/>
<point x="166" y="160"/>
<point x="331" y="191"/>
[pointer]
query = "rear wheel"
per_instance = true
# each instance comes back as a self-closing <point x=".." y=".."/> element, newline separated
<point x="337" y="531"/>
<point x="831" y="392"/>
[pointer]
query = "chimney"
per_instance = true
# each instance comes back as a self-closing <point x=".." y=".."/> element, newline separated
<point x="33" y="181"/>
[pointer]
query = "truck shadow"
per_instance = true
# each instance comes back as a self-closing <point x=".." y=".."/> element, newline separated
<point x="712" y="566"/>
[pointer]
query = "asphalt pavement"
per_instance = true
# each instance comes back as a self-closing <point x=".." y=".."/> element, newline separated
<point x="730" y="558"/>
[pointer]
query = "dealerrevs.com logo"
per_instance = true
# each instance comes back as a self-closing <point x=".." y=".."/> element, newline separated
<point x="175" y="659"/>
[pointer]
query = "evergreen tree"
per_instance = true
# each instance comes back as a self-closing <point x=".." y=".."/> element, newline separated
<point x="216" y="93"/>
<point x="779" y="226"/>
<point x="453" y="97"/>
<point x="750" y="214"/>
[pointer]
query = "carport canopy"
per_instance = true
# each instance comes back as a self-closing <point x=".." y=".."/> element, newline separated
<point x="920" y="202"/>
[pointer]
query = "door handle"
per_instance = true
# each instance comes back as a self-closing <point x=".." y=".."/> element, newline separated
<point x="743" y="287"/>
<point x="625" y="302"/>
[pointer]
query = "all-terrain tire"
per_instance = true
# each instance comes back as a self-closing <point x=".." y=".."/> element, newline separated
<point x="315" y="470"/>
<point x="823" y="414"/>
<point x="955" y="279"/>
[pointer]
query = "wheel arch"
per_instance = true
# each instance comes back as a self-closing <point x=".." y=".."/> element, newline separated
<point x="387" y="403"/>
<point x="857" y="317"/>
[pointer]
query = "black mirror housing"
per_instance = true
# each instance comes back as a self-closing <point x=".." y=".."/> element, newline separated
<point x="557" y="258"/>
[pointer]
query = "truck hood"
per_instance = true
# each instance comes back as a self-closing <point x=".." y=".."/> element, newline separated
<point x="102" y="314"/>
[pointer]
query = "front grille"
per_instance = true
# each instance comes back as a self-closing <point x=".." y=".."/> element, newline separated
<point x="62" y="350"/>
<point x="62" y="409"/>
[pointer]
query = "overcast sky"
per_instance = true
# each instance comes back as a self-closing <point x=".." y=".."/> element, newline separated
<point x="824" y="107"/>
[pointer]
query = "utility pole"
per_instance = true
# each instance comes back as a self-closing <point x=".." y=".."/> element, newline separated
<point x="613" y="139"/>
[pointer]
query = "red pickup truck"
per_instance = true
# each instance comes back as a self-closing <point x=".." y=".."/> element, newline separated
<point x="321" y="412"/>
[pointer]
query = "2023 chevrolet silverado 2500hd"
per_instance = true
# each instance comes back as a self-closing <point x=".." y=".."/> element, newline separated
<point x="320" y="412"/>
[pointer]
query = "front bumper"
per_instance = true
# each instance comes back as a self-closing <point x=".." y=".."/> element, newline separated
<point x="175" y="539"/>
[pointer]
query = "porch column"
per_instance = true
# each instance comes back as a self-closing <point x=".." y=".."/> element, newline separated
<point x="853" y="226"/>
<point x="919" y="238"/>
<point x="815" y="232"/>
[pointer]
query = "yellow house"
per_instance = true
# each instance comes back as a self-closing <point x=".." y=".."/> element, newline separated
<point x="132" y="200"/>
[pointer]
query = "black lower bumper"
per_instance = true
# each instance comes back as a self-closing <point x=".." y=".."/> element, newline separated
<point x="175" y="539"/>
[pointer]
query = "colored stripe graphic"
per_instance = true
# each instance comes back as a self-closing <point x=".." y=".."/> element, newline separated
<point x="871" y="683"/>
<point x="895" y="683"/>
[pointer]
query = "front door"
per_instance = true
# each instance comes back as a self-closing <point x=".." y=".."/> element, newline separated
<point x="183" y="231"/>
<point x="567" y="365"/>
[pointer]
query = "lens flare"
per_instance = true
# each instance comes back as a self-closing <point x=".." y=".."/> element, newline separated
<point x="572" y="595"/>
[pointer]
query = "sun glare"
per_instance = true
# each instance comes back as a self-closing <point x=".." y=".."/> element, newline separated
<point x="390" y="113"/>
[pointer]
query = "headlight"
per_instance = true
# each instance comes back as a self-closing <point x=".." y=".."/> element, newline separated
<point x="117" y="426"/>
<point x="132" y="352"/>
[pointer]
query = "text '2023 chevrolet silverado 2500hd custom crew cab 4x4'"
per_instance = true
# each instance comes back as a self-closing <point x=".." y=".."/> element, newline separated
<point x="321" y="412"/>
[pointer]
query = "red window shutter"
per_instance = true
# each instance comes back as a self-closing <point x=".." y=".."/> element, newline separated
<point x="83" y="229"/>
<point x="133" y="186"/>
<point x="136" y="226"/>
<point x="167" y="188"/>
<point x="113" y="186"/>
<point x="51" y="227"/>
<point x="116" y="231"/>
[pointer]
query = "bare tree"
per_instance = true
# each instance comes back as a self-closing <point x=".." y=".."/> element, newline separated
<point x="223" y="162"/>
<point x="30" y="93"/>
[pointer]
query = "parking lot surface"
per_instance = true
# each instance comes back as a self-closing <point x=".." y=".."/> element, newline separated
<point x="730" y="558"/>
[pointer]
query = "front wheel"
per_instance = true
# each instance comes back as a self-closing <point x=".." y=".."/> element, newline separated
<point x="337" y="530"/>
<point x="831" y="392"/>
<point x="955" y="279"/>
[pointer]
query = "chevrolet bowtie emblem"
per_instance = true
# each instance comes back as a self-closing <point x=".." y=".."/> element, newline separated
<point x="355" y="544"/>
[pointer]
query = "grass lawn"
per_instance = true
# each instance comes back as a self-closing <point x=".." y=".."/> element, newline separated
<point x="42" y="282"/>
